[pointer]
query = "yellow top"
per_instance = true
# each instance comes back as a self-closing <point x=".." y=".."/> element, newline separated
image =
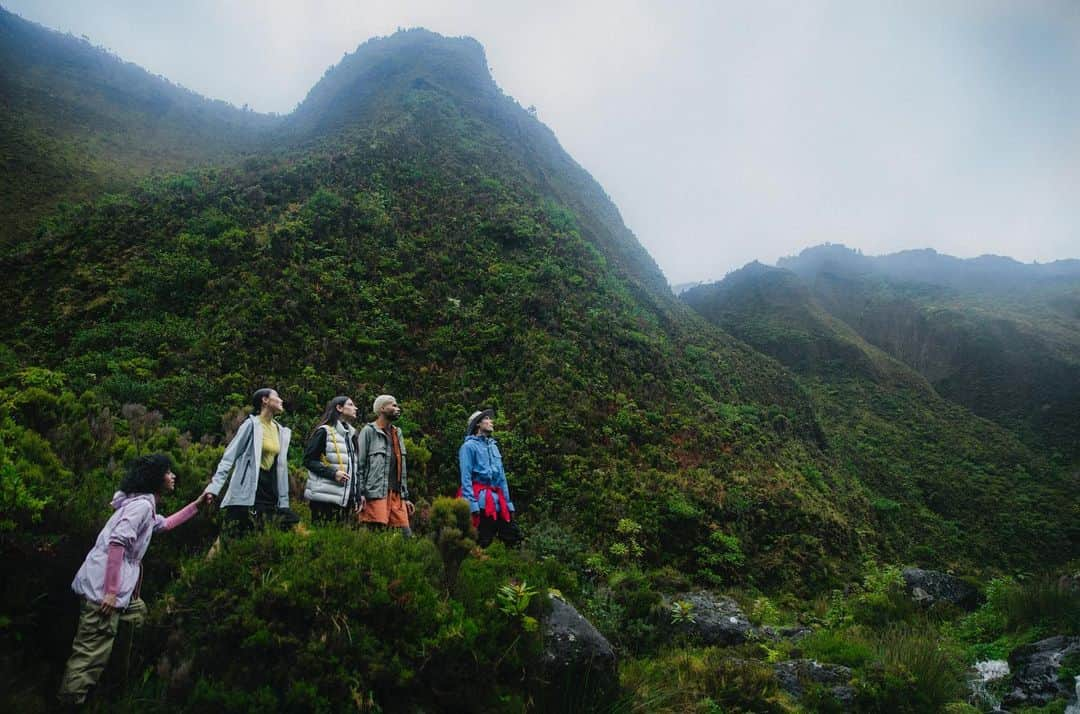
<point x="270" y="444"/>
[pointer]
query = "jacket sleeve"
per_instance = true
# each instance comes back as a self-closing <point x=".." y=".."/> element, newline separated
<point x="179" y="518"/>
<point x="404" y="465"/>
<point x="283" y="468"/>
<point x="362" y="462"/>
<point x="502" y="485"/>
<point x="313" y="454"/>
<point x="131" y="521"/>
<point x="232" y="452"/>
<point x="465" y="460"/>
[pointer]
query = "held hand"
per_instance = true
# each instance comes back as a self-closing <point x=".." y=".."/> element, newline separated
<point x="410" y="507"/>
<point x="341" y="477"/>
<point x="205" y="500"/>
<point x="108" y="604"/>
<point x="360" y="504"/>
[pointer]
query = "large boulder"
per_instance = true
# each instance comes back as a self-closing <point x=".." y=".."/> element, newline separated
<point x="928" y="587"/>
<point x="711" y="619"/>
<point x="1036" y="666"/>
<point x="795" y="675"/>
<point x="574" y="647"/>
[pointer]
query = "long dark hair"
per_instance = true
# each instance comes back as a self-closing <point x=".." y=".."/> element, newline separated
<point x="331" y="416"/>
<point x="258" y="396"/>
<point x="146" y="474"/>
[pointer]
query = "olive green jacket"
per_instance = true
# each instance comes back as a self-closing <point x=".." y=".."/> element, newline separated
<point x="373" y="469"/>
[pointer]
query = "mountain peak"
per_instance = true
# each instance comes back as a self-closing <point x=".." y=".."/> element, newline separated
<point x="388" y="66"/>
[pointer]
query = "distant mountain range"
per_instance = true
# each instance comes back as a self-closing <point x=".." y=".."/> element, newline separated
<point x="999" y="337"/>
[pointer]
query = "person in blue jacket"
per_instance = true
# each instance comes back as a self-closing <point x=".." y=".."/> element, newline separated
<point x="483" y="482"/>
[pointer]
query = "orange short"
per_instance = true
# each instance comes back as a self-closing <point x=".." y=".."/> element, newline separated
<point x="389" y="511"/>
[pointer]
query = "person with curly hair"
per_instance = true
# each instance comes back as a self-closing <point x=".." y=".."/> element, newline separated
<point x="108" y="581"/>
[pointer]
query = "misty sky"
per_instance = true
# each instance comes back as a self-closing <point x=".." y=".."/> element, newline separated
<point x="725" y="132"/>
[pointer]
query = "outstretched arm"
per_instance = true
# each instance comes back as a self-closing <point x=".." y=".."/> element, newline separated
<point x="184" y="515"/>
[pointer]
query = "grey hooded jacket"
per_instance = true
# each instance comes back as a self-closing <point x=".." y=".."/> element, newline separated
<point x="373" y="467"/>
<point x="242" y="457"/>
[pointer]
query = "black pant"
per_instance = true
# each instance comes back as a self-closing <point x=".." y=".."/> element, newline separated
<point x="238" y="521"/>
<point x="506" y="531"/>
<point x="324" y="513"/>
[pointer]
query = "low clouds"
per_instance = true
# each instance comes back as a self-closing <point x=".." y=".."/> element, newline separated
<point x="725" y="132"/>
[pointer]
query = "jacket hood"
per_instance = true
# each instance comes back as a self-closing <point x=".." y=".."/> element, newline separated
<point x="120" y="498"/>
<point x="474" y="437"/>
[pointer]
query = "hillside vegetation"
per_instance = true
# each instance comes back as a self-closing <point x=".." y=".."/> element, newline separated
<point x="76" y="121"/>
<point x="997" y="336"/>
<point x="413" y="230"/>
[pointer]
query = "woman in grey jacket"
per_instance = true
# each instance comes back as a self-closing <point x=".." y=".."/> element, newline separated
<point x="257" y="459"/>
<point x="330" y="458"/>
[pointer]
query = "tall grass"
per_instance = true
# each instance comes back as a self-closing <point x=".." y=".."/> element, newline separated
<point x="1047" y="602"/>
<point x="933" y="676"/>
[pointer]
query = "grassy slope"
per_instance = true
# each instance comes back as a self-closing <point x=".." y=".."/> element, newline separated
<point x="940" y="476"/>
<point x="77" y="122"/>
<point x="999" y="337"/>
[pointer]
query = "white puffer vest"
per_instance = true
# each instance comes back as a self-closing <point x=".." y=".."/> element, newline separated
<point x="340" y="455"/>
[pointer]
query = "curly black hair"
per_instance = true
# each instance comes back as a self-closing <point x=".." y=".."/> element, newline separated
<point x="146" y="474"/>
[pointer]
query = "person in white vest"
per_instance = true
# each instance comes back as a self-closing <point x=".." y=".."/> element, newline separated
<point x="330" y="458"/>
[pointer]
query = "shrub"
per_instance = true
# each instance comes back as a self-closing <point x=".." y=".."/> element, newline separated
<point x="284" y="621"/>
<point x="911" y="674"/>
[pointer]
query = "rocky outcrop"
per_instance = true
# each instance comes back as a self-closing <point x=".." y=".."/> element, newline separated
<point x="711" y="619"/>
<point x="572" y="645"/>
<point x="1036" y="667"/>
<point x="795" y="675"/>
<point x="928" y="587"/>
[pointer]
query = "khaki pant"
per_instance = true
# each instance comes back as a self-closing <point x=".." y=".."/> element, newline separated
<point x="92" y="646"/>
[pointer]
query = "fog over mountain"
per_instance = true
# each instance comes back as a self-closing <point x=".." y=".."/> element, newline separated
<point x="725" y="133"/>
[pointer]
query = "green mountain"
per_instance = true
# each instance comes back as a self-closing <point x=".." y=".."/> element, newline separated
<point x="932" y="465"/>
<point x="76" y="122"/>
<point x="411" y="229"/>
<point x="997" y="336"/>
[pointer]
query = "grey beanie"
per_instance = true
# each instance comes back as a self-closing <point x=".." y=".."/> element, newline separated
<point x="474" y="419"/>
<point x="381" y="401"/>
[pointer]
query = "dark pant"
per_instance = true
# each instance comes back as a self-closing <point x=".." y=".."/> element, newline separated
<point x="324" y="513"/>
<point x="238" y="521"/>
<point x="491" y="528"/>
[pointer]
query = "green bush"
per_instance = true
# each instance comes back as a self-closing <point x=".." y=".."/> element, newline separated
<point x="310" y="622"/>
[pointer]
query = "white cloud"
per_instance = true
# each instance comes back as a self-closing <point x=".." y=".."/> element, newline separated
<point x="725" y="132"/>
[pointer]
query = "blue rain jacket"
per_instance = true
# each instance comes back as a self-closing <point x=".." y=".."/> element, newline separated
<point x="481" y="462"/>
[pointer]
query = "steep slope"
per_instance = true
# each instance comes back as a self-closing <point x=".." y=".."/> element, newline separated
<point x="999" y="337"/>
<point x="417" y="248"/>
<point x="370" y="86"/>
<point x="76" y="121"/>
<point x="937" y="472"/>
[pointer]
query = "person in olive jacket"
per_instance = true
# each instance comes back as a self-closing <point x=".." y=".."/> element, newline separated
<point x="381" y="469"/>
